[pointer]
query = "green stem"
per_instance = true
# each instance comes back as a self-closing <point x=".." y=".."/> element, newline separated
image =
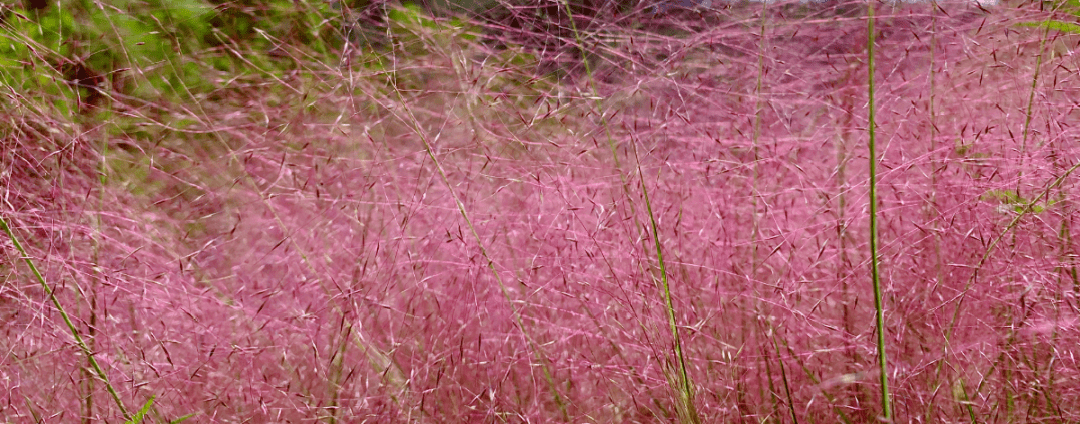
<point x="67" y="320"/>
<point x="879" y="307"/>
<point x="682" y="385"/>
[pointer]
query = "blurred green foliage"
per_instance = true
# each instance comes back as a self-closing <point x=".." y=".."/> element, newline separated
<point x="133" y="47"/>
<point x="79" y="55"/>
<point x="265" y="30"/>
<point x="1066" y="7"/>
<point x="80" y="52"/>
<point x="414" y="29"/>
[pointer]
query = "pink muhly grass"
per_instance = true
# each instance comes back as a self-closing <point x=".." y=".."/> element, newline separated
<point x="562" y="214"/>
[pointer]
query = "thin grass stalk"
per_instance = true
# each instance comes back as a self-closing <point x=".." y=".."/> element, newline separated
<point x="768" y="376"/>
<point x="933" y="5"/>
<point x="755" y="142"/>
<point x="67" y="320"/>
<point x="1029" y="110"/>
<point x="843" y="271"/>
<point x="1066" y="269"/>
<point x="336" y="369"/>
<point x="91" y="328"/>
<point x="755" y="217"/>
<point x="783" y="373"/>
<point x="605" y="124"/>
<point x="30" y="406"/>
<point x="933" y="140"/>
<point x="682" y="386"/>
<point x="879" y="308"/>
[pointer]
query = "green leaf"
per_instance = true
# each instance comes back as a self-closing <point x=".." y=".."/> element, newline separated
<point x="1068" y="27"/>
<point x="182" y="419"/>
<point x="142" y="412"/>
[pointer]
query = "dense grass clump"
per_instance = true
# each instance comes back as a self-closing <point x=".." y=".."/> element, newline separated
<point x="538" y="211"/>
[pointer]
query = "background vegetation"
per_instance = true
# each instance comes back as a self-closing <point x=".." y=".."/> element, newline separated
<point x="537" y="211"/>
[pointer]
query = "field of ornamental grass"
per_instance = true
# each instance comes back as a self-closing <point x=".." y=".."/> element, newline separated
<point x="588" y="212"/>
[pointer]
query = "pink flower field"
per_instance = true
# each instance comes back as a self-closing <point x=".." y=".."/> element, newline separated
<point x="583" y="212"/>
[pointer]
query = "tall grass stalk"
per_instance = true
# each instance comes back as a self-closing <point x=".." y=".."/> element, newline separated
<point x="683" y="386"/>
<point x="1029" y="110"/>
<point x="879" y="307"/>
<point x="98" y="370"/>
<point x="1066" y="269"/>
<point x="103" y="176"/>
<point x="755" y="213"/>
<point x="680" y="383"/>
<point x="940" y="264"/>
